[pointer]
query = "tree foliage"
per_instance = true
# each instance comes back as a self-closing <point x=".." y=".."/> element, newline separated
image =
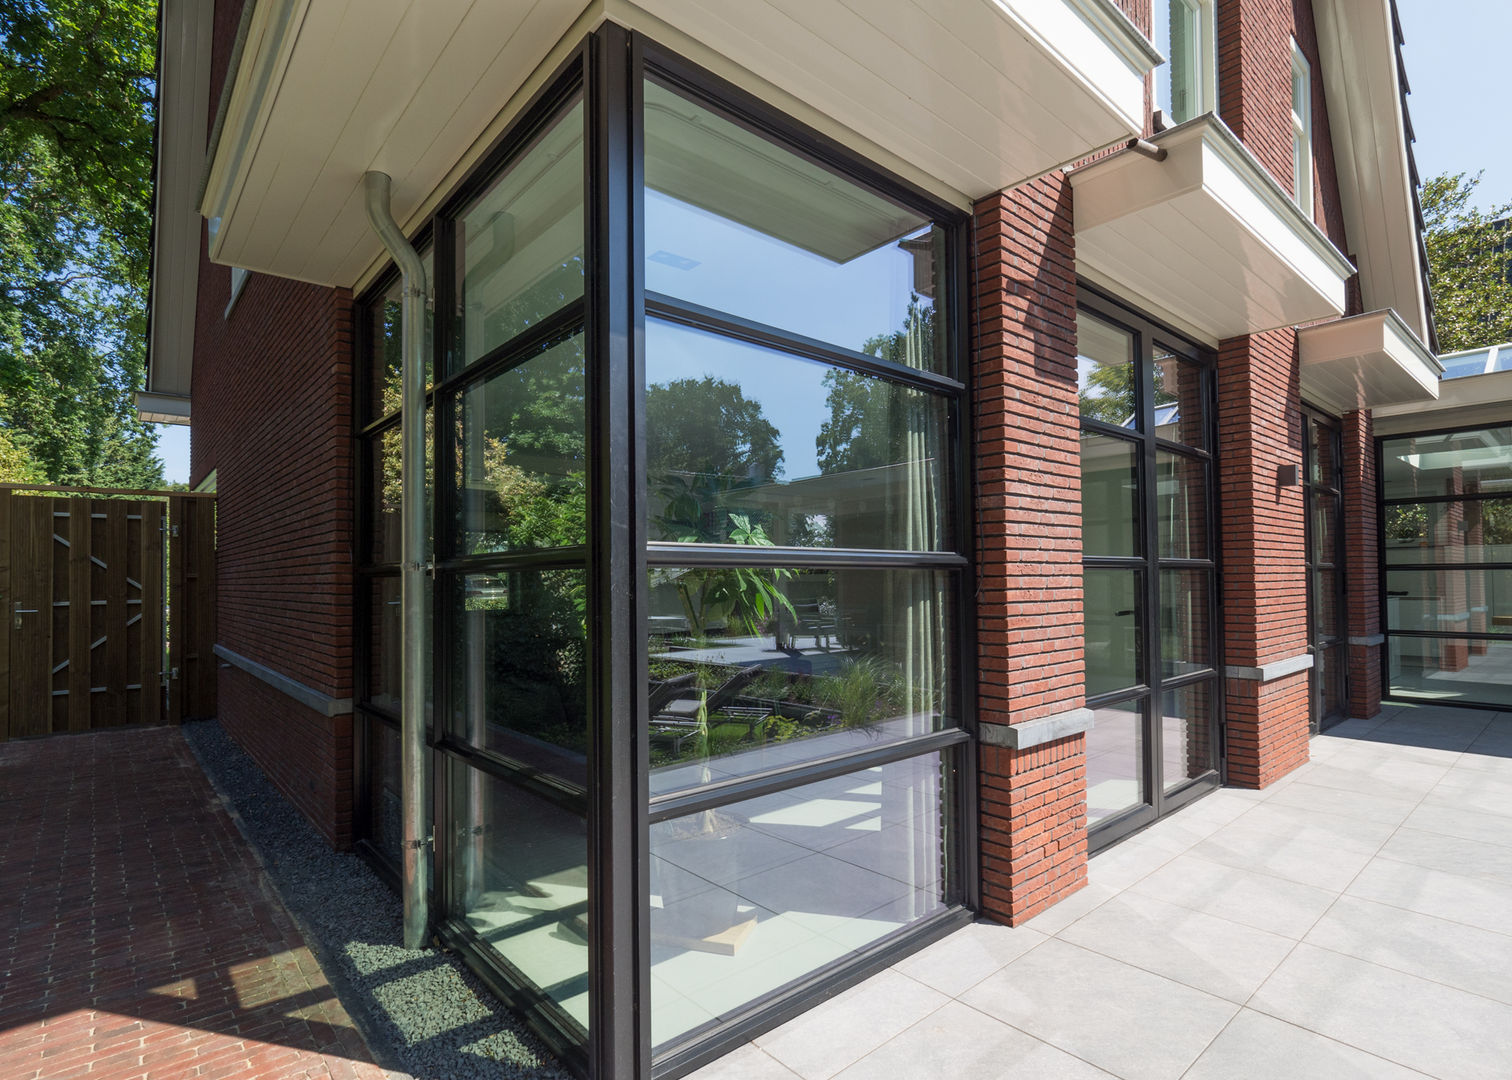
<point x="863" y="430"/>
<point x="1469" y="264"/>
<point x="76" y="88"/>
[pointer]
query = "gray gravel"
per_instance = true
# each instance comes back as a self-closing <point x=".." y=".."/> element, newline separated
<point x="422" y="1012"/>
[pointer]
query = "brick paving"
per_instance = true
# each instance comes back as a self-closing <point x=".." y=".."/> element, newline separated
<point x="139" y="938"/>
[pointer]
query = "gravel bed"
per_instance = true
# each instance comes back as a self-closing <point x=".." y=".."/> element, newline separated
<point x="422" y="1012"/>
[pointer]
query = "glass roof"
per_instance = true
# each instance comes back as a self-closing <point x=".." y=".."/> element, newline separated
<point x="1477" y="361"/>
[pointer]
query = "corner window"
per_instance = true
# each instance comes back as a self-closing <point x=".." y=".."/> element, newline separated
<point x="1185" y="86"/>
<point x="1301" y="80"/>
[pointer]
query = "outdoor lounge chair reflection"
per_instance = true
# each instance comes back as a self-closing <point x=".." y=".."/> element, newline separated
<point x="675" y="719"/>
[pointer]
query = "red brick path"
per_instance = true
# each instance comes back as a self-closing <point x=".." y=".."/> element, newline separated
<point x="138" y="937"/>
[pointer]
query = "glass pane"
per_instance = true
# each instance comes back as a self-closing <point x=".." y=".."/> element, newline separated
<point x="386" y="491"/>
<point x="1105" y="372"/>
<point x="519" y="879"/>
<point x="1451" y="671"/>
<point x="384" y="344"/>
<point x="1115" y="761"/>
<point x="1322" y="454"/>
<point x="757" y="669"/>
<point x="1462" y="463"/>
<point x="518" y="681"/>
<point x="384" y="661"/>
<point x="520" y="244"/>
<point x="1328" y="677"/>
<point x="1325" y="522"/>
<point x="752" y="896"/>
<point x="1454" y="532"/>
<point x="1186" y="734"/>
<point x="1179" y="413"/>
<point x="1325" y="586"/>
<point x="1110" y="495"/>
<point x="1112" y="637"/>
<point x="1450" y="600"/>
<point x="750" y="446"/>
<point x="1181" y="498"/>
<point x="520" y="479"/>
<point x="1185" y="630"/>
<point x="1178" y="36"/>
<point x="736" y="223"/>
<point x="385" y="824"/>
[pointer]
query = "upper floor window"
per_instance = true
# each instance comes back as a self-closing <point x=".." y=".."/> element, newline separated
<point x="1186" y="85"/>
<point x="1301" y="80"/>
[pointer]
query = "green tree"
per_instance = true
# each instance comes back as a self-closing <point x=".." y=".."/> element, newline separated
<point x="76" y="86"/>
<point x="709" y="427"/>
<point x="863" y="430"/>
<point x="1469" y="264"/>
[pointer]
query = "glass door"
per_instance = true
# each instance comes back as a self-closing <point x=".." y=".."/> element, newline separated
<point x="1325" y="569"/>
<point x="1149" y="569"/>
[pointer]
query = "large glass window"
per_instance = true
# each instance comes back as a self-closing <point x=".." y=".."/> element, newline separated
<point x="1301" y="108"/>
<point x="1446" y="528"/>
<point x="1149" y="568"/>
<point x="1185" y="83"/>
<point x="1323" y="485"/>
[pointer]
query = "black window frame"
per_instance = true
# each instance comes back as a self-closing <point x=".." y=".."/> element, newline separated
<point x="1338" y="645"/>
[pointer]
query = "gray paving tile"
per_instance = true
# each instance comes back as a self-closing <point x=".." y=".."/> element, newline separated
<point x="960" y="961"/>
<point x="749" y="1062"/>
<point x="1102" y="1010"/>
<point x="1255" y="1045"/>
<point x="1121" y="866"/>
<point x="1321" y="864"/>
<point x="1319" y="823"/>
<point x="1358" y="786"/>
<point x="960" y="1043"/>
<point x="1263" y="901"/>
<point x="1476" y="790"/>
<point x="839" y="1032"/>
<point x="1409" y="1020"/>
<point x="1451" y="854"/>
<point x="1223" y="958"/>
<point x="1448" y="817"/>
<point x="1056" y="918"/>
<point x="1452" y="953"/>
<point x="1473" y="901"/>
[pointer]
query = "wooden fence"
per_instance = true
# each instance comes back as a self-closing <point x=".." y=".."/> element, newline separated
<point x="109" y="609"/>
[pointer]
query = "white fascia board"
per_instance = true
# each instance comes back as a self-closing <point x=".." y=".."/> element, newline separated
<point x="1362" y="88"/>
<point x="1470" y="401"/>
<point x="162" y="408"/>
<point x="1365" y="362"/>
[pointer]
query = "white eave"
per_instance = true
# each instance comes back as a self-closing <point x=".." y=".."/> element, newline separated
<point x="1363" y="89"/>
<point x="1469" y="401"/>
<point x="963" y="97"/>
<point x="1366" y="362"/>
<point x="183" y="111"/>
<point x="1206" y="236"/>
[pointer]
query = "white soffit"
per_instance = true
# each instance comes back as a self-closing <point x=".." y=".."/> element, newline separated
<point x="1365" y="362"/>
<point x="183" y="93"/>
<point x="975" y="95"/>
<point x="1364" y="94"/>
<point x="1205" y="234"/>
<point x="162" y="408"/>
<point x="1469" y="401"/>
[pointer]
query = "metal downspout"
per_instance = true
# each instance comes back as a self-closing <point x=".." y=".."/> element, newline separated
<point x="414" y="558"/>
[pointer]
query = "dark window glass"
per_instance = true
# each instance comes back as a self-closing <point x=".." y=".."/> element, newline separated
<point x="1328" y="677"/>
<point x="736" y="223"/>
<point x="1326" y="603"/>
<point x="520" y="244"/>
<point x="385" y="824"/>
<point x="1451" y="670"/>
<point x="384" y="660"/>
<point x="745" y="444"/>
<point x="1463" y="463"/>
<point x="1115" y="760"/>
<point x="1185" y="633"/>
<point x="1186" y="726"/>
<point x="1322" y="469"/>
<point x="755" y="895"/>
<point x="1112" y="612"/>
<point x="1181" y="502"/>
<point x="1460" y="531"/>
<point x="521" y="469"/>
<point x="1325" y="527"/>
<point x="519" y="687"/>
<point x="519" y="879"/>
<point x="385" y="344"/>
<point x="1105" y="372"/>
<point x="1449" y="600"/>
<point x="1110" y="495"/>
<point x="753" y="669"/>
<point x="386" y="492"/>
<point x="1180" y="414"/>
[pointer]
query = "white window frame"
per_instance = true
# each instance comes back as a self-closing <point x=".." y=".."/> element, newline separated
<point x="1201" y="54"/>
<point x="1302" y="144"/>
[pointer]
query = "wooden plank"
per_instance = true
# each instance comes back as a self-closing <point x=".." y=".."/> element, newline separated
<point x="31" y="607"/>
<point x="178" y="591"/>
<point x="80" y="540"/>
<point x="116" y="613"/>
<point x="6" y="501"/>
<point x="55" y="489"/>
<point x="151" y="577"/>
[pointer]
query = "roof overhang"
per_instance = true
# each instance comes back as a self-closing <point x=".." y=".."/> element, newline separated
<point x="1470" y="401"/>
<point x="997" y="92"/>
<point x="1365" y="362"/>
<point x="1363" y="85"/>
<point x="162" y="408"/>
<point x="183" y="111"/>
<point x="1205" y="235"/>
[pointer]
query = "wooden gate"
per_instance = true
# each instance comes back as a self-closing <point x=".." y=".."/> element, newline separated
<point x="83" y="592"/>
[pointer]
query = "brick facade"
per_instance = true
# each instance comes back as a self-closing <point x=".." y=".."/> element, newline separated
<point x="1028" y="478"/>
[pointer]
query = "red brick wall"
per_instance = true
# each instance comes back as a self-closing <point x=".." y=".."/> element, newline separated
<point x="1028" y="490"/>
<point x="1362" y="603"/>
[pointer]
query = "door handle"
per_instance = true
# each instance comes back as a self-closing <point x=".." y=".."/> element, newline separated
<point x="20" y="611"/>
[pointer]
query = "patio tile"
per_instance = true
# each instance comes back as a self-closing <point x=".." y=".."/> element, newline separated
<point x="1215" y="955"/>
<point x="1125" y="864"/>
<point x="1305" y="861"/>
<point x="749" y="1062"/>
<point x="1451" y="953"/>
<point x="821" y="885"/>
<point x="1409" y="1020"/>
<point x="1319" y="823"/>
<point x="1476" y="790"/>
<point x="1448" y="817"/>
<point x="1098" y="1009"/>
<point x="1256" y="1045"/>
<point x="1062" y="914"/>
<point x="828" y="1038"/>
<point x="954" y="964"/>
<point x="1263" y="901"/>
<point x="1470" y="858"/>
<point x="1444" y="895"/>
<point x="959" y="1042"/>
<point x="1371" y="774"/>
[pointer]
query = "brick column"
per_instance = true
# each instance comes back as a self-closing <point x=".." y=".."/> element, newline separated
<point x="1362" y="571"/>
<point x="1264" y="557"/>
<point x="1028" y="476"/>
